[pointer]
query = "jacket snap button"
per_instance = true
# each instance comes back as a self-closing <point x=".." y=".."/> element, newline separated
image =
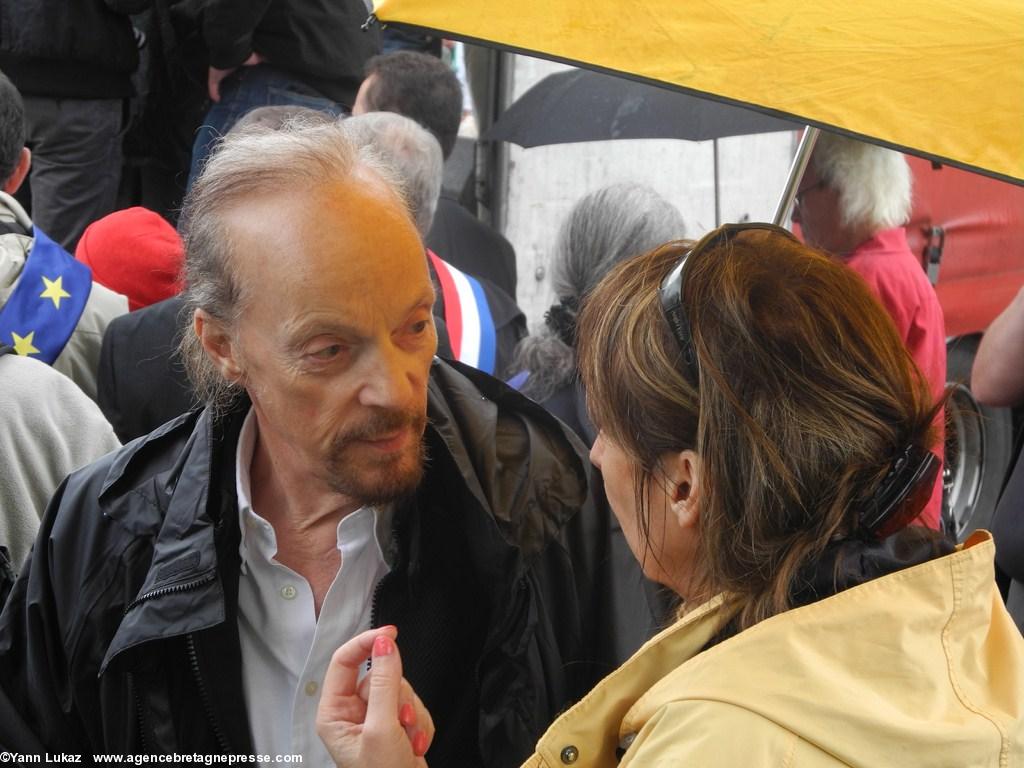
<point x="570" y="755"/>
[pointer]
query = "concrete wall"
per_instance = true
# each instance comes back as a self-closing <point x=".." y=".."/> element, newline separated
<point x="544" y="183"/>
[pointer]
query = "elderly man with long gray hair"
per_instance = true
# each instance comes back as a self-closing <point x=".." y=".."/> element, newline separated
<point x="853" y="202"/>
<point x="194" y="585"/>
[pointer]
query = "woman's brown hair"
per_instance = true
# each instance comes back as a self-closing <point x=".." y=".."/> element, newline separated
<point x="806" y="396"/>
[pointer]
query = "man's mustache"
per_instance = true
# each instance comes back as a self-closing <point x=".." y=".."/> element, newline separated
<point x="382" y="423"/>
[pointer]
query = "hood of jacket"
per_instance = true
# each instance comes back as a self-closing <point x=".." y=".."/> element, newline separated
<point x="523" y="471"/>
<point x="920" y="667"/>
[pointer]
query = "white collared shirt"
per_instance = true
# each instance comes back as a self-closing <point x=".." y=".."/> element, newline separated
<point x="285" y="649"/>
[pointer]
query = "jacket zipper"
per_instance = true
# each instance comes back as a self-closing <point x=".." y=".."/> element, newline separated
<point x="139" y="714"/>
<point x="204" y="696"/>
<point x="183" y="587"/>
<point x="193" y="659"/>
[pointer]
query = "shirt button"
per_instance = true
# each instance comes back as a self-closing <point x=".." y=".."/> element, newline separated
<point x="311" y="688"/>
<point x="570" y="755"/>
<point x="289" y="592"/>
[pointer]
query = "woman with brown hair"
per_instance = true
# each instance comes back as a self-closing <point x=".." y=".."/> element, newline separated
<point x="766" y="443"/>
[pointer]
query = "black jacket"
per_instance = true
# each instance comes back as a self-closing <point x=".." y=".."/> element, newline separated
<point x="319" y="42"/>
<point x="80" y="49"/>
<point x="141" y="381"/>
<point x="460" y="238"/>
<point x="121" y="634"/>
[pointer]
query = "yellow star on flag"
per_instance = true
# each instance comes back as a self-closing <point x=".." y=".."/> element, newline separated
<point x="54" y="290"/>
<point x="23" y="344"/>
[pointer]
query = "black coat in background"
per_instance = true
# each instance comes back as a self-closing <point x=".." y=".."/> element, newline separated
<point x="321" y="44"/>
<point x="142" y="382"/>
<point x="469" y="245"/>
<point x="83" y="49"/>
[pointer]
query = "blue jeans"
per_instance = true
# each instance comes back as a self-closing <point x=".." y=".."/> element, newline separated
<point x="244" y="90"/>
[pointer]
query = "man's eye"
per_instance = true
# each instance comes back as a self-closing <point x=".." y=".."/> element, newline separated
<point x="420" y="327"/>
<point x="327" y="353"/>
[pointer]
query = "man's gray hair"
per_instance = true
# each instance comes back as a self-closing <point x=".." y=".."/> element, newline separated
<point x="603" y="228"/>
<point x="248" y="164"/>
<point x="413" y="154"/>
<point x="874" y="183"/>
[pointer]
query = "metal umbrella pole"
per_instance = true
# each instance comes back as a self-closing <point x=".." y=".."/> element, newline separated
<point x="796" y="173"/>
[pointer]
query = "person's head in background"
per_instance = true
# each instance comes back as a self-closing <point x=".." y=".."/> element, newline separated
<point x="279" y="116"/>
<point x="411" y="151"/>
<point x="850" y="191"/>
<point x="734" y="474"/>
<point x="417" y="85"/>
<point x="15" y="157"/>
<point x="134" y="252"/>
<point x="602" y="229"/>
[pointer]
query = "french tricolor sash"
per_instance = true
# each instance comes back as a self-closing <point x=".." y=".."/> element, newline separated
<point x="468" y="316"/>
<point x="44" y="308"/>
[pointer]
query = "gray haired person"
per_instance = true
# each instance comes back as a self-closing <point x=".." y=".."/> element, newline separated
<point x="604" y="227"/>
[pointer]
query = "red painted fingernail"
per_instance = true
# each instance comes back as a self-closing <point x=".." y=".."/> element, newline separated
<point x="383" y="646"/>
<point x="407" y="715"/>
<point x="420" y="743"/>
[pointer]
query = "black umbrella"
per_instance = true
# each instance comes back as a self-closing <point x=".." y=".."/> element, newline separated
<point x="582" y="105"/>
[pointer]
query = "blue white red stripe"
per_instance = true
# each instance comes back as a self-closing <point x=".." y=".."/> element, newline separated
<point x="468" y="316"/>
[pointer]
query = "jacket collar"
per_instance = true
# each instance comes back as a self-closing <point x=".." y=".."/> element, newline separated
<point x="181" y="592"/>
<point x="589" y="726"/>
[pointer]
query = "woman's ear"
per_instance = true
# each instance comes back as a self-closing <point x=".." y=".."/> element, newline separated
<point x="683" y="473"/>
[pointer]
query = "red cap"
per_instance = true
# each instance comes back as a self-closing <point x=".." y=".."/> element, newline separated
<point x="134" y="252"/>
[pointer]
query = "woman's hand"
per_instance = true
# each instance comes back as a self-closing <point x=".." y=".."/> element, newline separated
<point x="379" y="723"/>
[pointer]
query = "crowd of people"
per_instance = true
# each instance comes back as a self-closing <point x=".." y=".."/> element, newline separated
<point x="694" y="519"/>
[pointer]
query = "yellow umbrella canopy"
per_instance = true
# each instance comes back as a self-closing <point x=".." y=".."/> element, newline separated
<point x="939" y="78"/>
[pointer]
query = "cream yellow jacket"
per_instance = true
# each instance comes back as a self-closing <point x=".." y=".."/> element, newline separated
<point x="923" y="667"/>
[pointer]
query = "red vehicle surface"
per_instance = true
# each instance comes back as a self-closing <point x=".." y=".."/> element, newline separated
<point x="969" y="232"/>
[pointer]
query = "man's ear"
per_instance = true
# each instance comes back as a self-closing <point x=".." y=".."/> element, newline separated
<point x="683" y="476"/>
<point x="219" y="345"/>
<point x="19" y="173"/>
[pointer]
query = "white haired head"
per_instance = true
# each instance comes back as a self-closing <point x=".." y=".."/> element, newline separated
<point x="874" y="183"/>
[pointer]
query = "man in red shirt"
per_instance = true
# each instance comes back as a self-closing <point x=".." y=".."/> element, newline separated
<point x="852" y="202"/>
